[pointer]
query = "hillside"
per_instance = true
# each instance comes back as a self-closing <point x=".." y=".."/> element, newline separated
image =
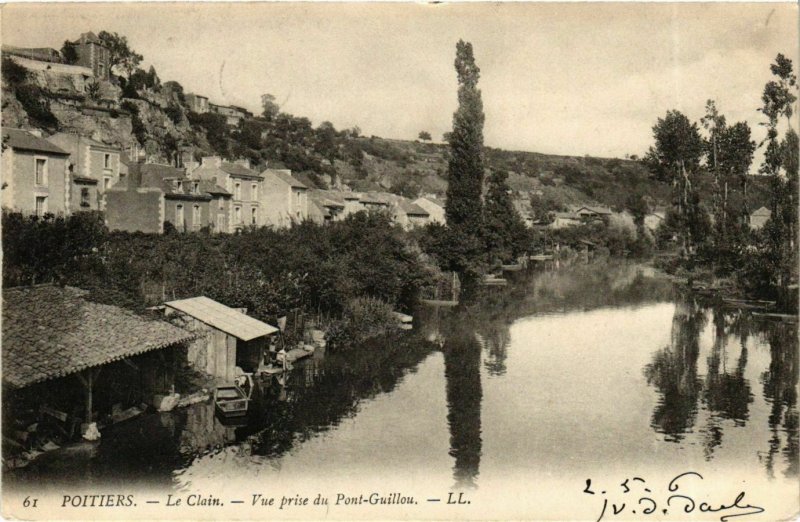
<point x="154" y="119"/>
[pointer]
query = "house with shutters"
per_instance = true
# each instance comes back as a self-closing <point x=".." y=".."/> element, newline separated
<point x="243" y="184"/>
<point x="284" y="198"/>
<point x="94" y="168"/>
<point x="154" y="195"/>
<point x="35" y="175"/>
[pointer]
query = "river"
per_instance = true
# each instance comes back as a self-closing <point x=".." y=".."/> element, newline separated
<point x="599" y="371"/>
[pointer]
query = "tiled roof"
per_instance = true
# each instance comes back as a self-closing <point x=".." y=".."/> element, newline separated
<point x="235" y="169"/>
<point x="374" y="198"/>
<point x="50" y="332"/>
<point x="210" y="187"/>
<point x="286" y="177"/>
<point x="24" y="140"/>
<point x="221" y="317"/>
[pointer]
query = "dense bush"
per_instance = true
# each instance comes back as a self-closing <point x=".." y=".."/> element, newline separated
<point x="270" y="272"/>
<point x="363" y="318"/>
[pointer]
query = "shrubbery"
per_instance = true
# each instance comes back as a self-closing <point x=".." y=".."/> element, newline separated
<point x="320" y="269"/>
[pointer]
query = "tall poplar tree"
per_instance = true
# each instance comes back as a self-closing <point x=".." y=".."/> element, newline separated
<point x="464" y="207"/>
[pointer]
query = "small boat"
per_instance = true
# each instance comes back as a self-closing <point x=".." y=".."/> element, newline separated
<point x="293" y="355"/>
<point x="230" y="401"/>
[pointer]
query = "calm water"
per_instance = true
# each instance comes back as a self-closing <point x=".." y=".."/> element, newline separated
<point x="599" y="372"/>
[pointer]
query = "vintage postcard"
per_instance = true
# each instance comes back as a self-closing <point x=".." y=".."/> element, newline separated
<point x="397" y="261"/>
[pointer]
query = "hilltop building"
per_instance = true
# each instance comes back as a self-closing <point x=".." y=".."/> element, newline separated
<point x="94" y="54"/>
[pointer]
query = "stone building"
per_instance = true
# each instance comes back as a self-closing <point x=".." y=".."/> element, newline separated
<point x="197" y="103"/>
<point x="94" y="54"/>
<point x="284" y="198"/>
<point x="35" y="175"/>
<point x="94" y="168"/>
<point x="243" y="184"/>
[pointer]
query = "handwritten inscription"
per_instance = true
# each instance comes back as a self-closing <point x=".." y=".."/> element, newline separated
<point x="635" y="496"/>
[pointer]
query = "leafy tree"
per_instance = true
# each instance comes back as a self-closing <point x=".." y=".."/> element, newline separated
<point x="216" y="130"/>
<point x="153" y="81"/>
<point x="676" y="157"/>
<point x="270" y="107"/>
<point x="781" y="164"/>
<point x="122" y="55"/>
<point x="425" y="136"/>
<point x="405" y="188"/>
<point x="464" y="206"/>
<point x="69" y="52"/>
<point x="543" y="208"/>
<point x="504" y="232"/>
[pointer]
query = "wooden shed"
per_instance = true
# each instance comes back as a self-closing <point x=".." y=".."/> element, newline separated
<point x="229" y="337"/>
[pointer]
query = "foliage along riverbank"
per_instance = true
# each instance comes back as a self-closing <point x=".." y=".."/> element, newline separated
<point x="317" y="269"/>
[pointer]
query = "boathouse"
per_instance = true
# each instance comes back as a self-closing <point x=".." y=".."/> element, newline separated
<point x="79" y="361"/>
<point x="229" y="337"/>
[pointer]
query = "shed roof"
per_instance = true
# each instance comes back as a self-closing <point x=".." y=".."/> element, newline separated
<point x="221" y="317"/>
<point x="51" y="331"/>
<point x="24" y="140"/>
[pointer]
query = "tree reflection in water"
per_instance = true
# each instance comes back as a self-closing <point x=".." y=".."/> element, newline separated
<point x="780" y="391"/>
<point x="462" y="369"/>
<point x="725" y="392"/>
<point x="673" y="372"/>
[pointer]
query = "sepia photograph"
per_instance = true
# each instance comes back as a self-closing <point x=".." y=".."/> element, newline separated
<point x="400" y="261"/>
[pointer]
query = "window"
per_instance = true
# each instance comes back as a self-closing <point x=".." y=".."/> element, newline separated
<point x="237" y="191"/>
<point x="179" y="186"/>
<point x="196" y="187"/>
<point x="41" y="171"/>
<point x="179" y="221"/>
<point x="196" y="216"/>
<point x="254" y="191"/>
<point x="107" y="161"/>
<point x="106" y="182"/>
<point x="221" y="204"/>
<point x="85" y="197"/>
<point x="254" y="216"/>
<point x="41" y="205"/>
<point x="237" y="215"/>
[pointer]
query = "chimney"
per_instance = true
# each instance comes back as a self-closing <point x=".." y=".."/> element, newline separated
<point x="211" y="161"/>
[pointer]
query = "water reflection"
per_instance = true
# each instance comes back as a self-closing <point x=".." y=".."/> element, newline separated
<point x="725" y="393"/>
<point x="673" y="373"/>
<point x="780" y="391"/>
<point x="462" y="370"/>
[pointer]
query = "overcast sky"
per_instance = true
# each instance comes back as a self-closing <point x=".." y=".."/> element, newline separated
<point x="564" y="79"/>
